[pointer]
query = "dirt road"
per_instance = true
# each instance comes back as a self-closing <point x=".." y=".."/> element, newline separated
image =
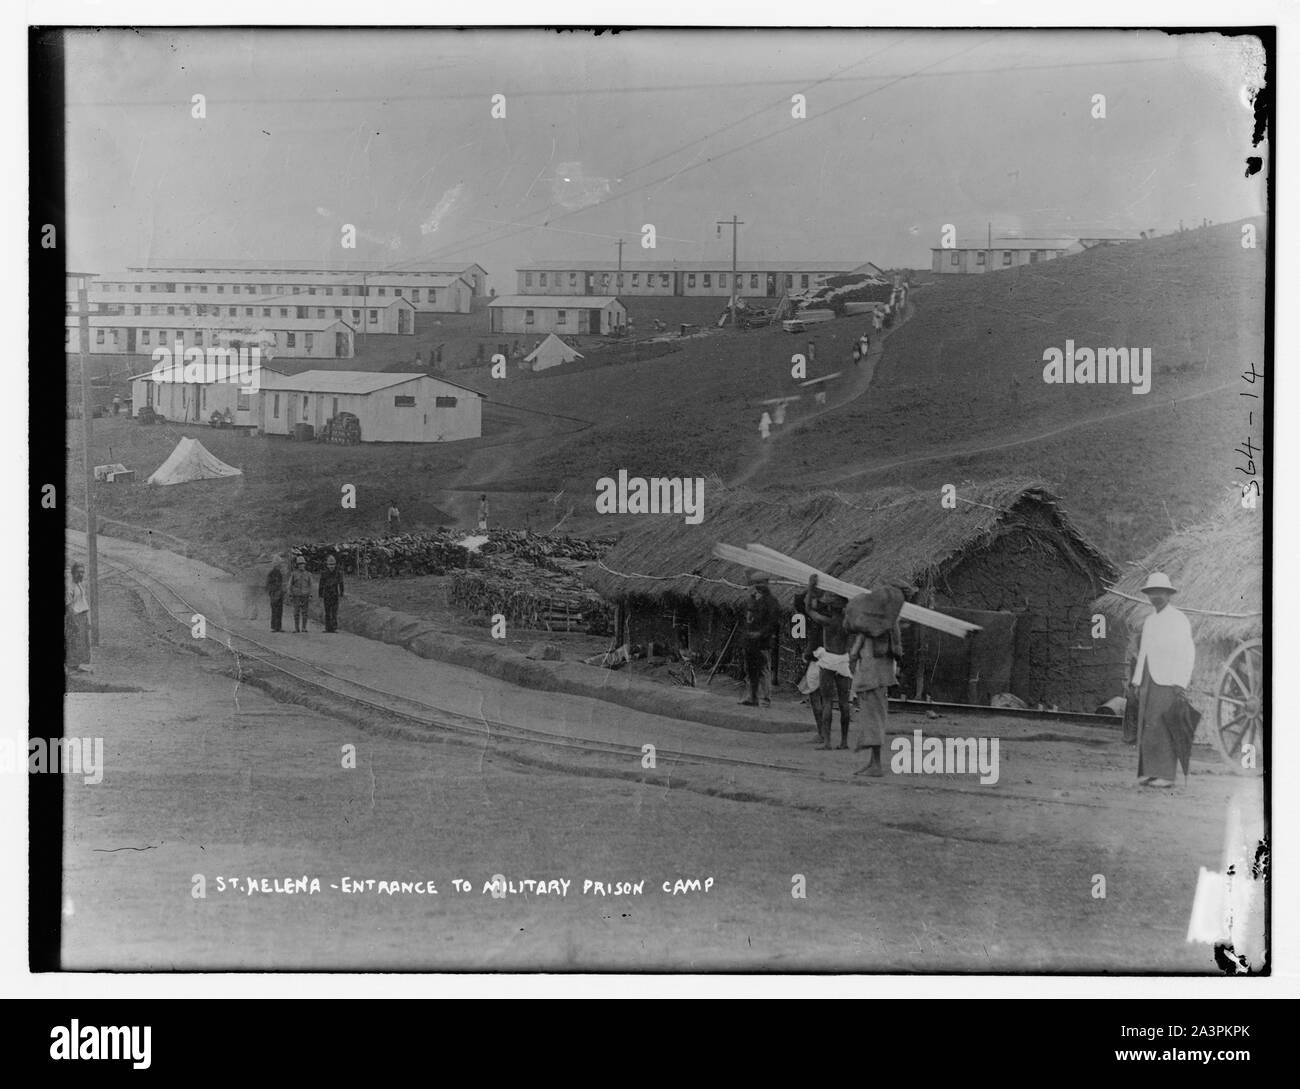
<point x="208" y="776"/>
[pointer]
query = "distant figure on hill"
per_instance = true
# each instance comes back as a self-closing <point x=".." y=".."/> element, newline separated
<point x="330" y="588"/>
<point x="117" y="404"/>
<point x="394" y="517"/>
<point x="483" y="512"/>
<point x="765" y="425"/>
<point x="300" y="593"/>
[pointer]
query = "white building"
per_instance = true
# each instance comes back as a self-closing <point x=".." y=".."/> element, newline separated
<point x="752" y="279"/>
<point x="141" y="334"/>
<point x="193" y="402"/>
<point x="577" y="315"/>
<point x="391" y="407"/>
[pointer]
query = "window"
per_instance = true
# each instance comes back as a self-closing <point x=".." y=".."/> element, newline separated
<point x="397" y="291"/>
<point x="234" y="311"/>
<point x="956" y="258"/>
<point x="304" y="408"/>
<point x="135" y="310"/>
<point x="604" y="279"/>
<point x="242" y="402"/>
<point x="171" y="310"/>
<point x="663" y="279"/>
<point x="144" y="336"/>
<point x="1033" y="257"/>
<point x="221" y="289"/>
<point x="415" y="294"/>
<point x="335" y="407"/>
<point x="382" y="291"/>
<point x="284" y="311"/>
<point x="722" y="279"/>
<point x="137" y="288"/>
<point x="402" y="401"/>
<point x="573" y="279"/>
<point x="528" y="317"/>
<point x="188" y="289"/>
<point x="297" y="290"/>
<point x="690" y="279"/>
<point x="185" y="310"/>
<point x="311" y="291"/>
<point x="347" y="291"/>
<point x="266" y="289"/>
<point x="803" y="281"/>
<point x="374" y="316"/>
<point x="542" y="279"/>
<point x="356" y="315"/>
<point x="1006" y="257"/>
<point x="99" y="336"/>
<point x="338" y="312"/>
<point x="329" y="291"/>
<point x="444" y="402"/>
<point x="248" y="311"/>
<point x="708" y="279"/>
<point x="291" y="341"/>
<point x="620" y="281"/>
<point x="275" y="406"/>
<point x="636" y="279"/>
<point x="311" y="342"/>
<point x="198" y="337"/>
<point x="561" y="317"/>
<point x="979" y="257"/>
<point x="203" y="289"/>
<point x="528" y="279"/>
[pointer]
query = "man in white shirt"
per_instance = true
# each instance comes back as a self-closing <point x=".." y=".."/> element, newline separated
<point x="1166" y="655"/>
<point x="76" y="621"/>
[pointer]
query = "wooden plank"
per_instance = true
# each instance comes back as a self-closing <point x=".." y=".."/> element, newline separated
<point x="775" y="563"/>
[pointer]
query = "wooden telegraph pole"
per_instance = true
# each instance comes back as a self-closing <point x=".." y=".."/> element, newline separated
<point x="87" y="429"/>
<point x="735" y="225"/>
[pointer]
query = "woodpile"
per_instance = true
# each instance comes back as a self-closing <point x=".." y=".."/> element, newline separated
<point x="531" y="597"/>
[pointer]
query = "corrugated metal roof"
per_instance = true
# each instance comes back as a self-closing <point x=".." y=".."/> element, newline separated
<point x="564" y="302"/>
<point x="280" y="264"/>
<point x="191" y="321"/>
<point x="361" y="382"/>
<point x="1012" y="244"/>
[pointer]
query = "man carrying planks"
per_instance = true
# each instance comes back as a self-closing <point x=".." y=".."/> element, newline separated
<point x="833" y="658"/>
<point x="877" y="647"/>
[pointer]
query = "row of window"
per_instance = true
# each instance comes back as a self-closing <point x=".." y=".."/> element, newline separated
<point x="399" y="401"/>
<point x="144" y="338"/>
<point x="233" y="312"/>
<point x="269" y="289"/>
<point x="665" y="279"/>
<point x="981" y="257"/>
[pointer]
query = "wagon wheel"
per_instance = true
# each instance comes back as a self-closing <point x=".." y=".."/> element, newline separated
<point x="1239" y="704"/>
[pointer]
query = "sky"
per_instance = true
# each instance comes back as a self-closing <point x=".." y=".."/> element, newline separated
<point x="393" y="132"/>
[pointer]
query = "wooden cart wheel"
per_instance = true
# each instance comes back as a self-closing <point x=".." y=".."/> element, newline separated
<point x="1239" y="705"/>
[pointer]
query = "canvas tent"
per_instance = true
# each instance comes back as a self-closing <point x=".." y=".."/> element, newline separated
<point x="551" y="353"/>
<point x="191" y="461"/>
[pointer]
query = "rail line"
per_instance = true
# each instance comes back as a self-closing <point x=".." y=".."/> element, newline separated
<point x="426" y="714"/>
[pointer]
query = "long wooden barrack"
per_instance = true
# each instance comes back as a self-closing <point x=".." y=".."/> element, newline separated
<point x="761" y="558"/>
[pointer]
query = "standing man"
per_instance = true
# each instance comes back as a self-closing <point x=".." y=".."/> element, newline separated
<point x="1166" y="655"/>
<point x="482" y="511"/>
<point x="762" y="626"/>
<point x="300" y="593"/>
<point x="275" y="591"/>
<point x="76" y="622"/>
<point x="864" y="344"/>
<point x="330" y="588"/>
<point x="833" y="658"/>
<point x="873" y="656"/>
<point x="394" y="517"/>
<point x="811" y="684"/>
<point x="117" y="404"/>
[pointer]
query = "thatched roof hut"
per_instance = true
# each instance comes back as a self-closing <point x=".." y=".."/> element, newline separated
<point x="1006" y="547"/>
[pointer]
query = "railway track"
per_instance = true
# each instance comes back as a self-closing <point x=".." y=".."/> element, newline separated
<point x="428" y="715"/>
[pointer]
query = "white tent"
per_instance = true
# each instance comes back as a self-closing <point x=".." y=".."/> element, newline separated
<point x="551" y="353"/>
<point x="191" y="460"/>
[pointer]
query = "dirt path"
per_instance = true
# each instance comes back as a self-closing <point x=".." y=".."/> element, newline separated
<point x="205" y="775"/>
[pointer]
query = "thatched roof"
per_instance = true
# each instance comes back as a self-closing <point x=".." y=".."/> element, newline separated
<point x="898" y="536"/>
<point x="1218" y="567"/>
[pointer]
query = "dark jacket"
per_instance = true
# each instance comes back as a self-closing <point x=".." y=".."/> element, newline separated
<point x="275" y="584"/>
<point x="762" y="622"/>
<point x="331" y="583"/>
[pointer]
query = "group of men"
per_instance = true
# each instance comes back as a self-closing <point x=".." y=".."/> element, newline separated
<point x="297" y="588"/>
<point x="853" y="666"/>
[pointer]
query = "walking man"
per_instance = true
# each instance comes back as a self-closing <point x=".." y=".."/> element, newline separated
<point x="873" y="656"/>
<point x="275" y="592"/>
<point x="330" y="587"/>
<point x="833" y="659"/>
<point x="762" y="625"/>
<point x="1166" y="655"/>
<point x="76" y="622"/>
<point x="300" y="593"/>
